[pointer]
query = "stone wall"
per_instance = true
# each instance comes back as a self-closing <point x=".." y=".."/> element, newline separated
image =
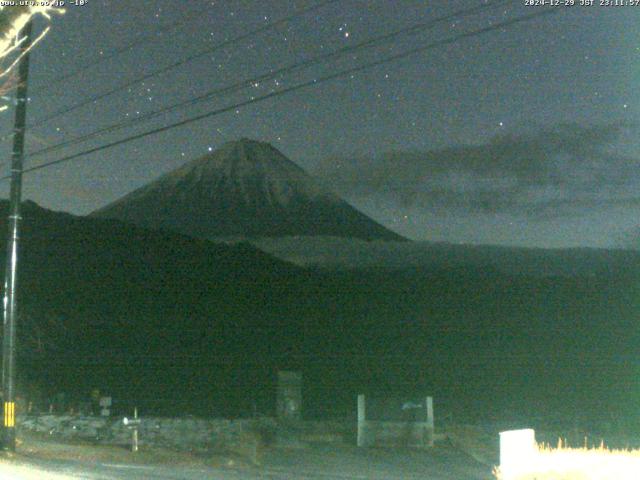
<point x="188" y="434"/>
<point x="397" y="434"/>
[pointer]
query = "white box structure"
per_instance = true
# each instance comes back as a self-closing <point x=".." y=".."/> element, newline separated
<point x="518" y="452"/>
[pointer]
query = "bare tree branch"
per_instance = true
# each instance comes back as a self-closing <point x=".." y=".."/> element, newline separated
<point x="12" y="21"/>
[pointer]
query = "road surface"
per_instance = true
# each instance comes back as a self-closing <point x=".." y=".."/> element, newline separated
<point x="310" y="463"/>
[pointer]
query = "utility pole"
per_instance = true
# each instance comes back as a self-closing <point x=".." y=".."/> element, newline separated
<point x="11" y="273"/>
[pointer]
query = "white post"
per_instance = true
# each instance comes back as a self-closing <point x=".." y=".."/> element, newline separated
<point x="361" y="421"/>
<point x="518" y="450"/>
<point x="430" y="421"/>
<point x="134" y="439"/>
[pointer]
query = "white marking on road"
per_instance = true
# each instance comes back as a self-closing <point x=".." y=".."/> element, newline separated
<point x="314" y="473"/>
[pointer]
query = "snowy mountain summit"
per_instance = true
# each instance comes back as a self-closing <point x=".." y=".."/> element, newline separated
<point x="244" y="189"/>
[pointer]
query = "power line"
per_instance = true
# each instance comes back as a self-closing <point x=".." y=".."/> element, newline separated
<point x="139" y="41"/>
<point x="287" y="69"/>
<point x="179" y="63"/>
<point x="272" y="74"/>
<point x="299" y="86"/>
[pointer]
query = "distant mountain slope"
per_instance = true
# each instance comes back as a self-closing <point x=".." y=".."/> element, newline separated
<point x="244" y="189"/>
<point x="341" y="253"/>
<point x="629" y="240"/>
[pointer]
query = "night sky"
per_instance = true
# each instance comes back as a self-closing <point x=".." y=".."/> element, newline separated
<point x="526" y="135"/>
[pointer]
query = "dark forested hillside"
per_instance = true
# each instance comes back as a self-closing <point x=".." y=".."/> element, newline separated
<point x="176" y="325"/>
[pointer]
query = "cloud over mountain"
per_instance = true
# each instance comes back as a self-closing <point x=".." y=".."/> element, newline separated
<point x="547" y="174"/>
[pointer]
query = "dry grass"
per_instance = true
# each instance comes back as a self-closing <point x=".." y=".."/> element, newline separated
<point x="565" y="463"/>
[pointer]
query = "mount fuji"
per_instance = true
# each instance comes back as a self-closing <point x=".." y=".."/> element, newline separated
<point x="245" y="189"/>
